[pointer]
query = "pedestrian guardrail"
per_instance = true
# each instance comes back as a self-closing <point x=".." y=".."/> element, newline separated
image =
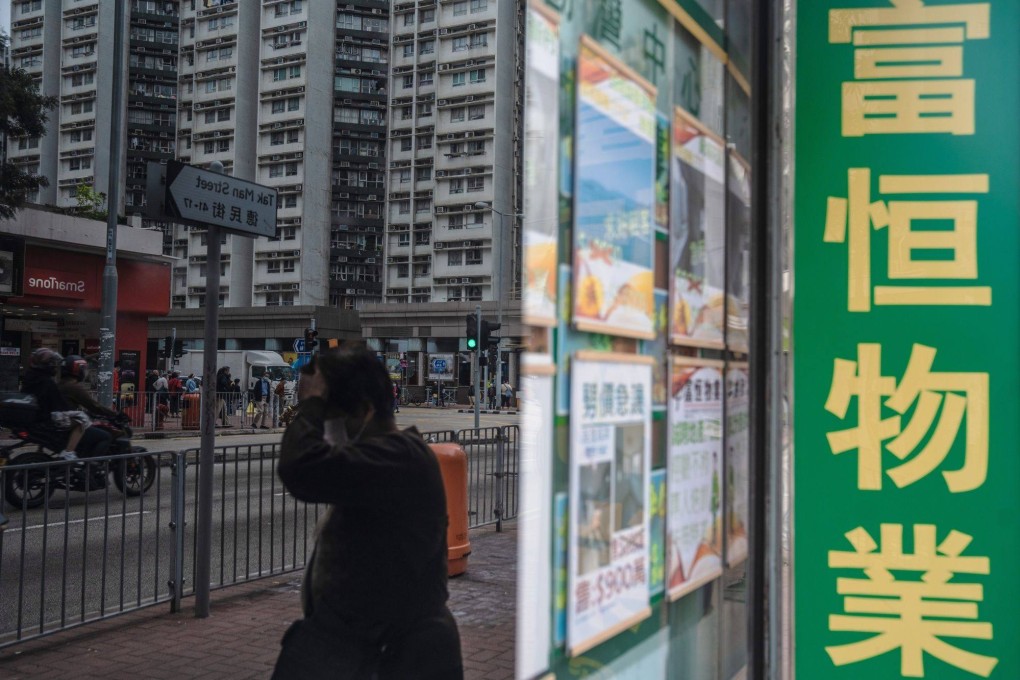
<point x="78" y="550"/>
<point x="182" y="411"/>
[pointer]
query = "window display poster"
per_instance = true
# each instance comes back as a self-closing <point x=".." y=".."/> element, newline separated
<point x="610" y="461"/>
<point x="694" y="486"/>
<point x="541" y="151"/>
<point x="535" y="560"/>
<point x="657" y="348"/>
<point x="738" y="254"/>
<point x="697" y="235"/>
<point x="737" y="463"/>
<point x="614" y="205"/>
<point x="657" y="532"/>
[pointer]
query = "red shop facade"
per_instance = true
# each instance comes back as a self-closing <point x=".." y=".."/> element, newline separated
<point x="61" y="303"/>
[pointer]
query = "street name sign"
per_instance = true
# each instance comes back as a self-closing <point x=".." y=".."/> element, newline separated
<point x="204" y="198"/>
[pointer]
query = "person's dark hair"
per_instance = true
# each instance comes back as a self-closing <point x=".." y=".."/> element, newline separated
<point x="356" y="380"/>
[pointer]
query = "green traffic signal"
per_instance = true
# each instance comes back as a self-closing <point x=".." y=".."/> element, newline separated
<point x="471" y="331"/>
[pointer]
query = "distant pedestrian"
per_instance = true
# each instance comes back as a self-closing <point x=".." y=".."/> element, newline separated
<point x="492" y="396"/>
<point x="471" y="395"/>
<point x="262" y="391"/>
<point x="396" y="398"/>
<point x="223" y="381"/>
<point x="191" y="385"/>
<point x="375" y="587"/>
<point x="507" y="393"/>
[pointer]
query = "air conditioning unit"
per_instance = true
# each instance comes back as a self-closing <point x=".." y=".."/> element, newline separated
<point x="295" y="286"/>
<point x="275" y="158"/>
<point x="440" y="210"/>
<point x="469" y="98"/>
<point x="361" y="291"/>
<point x="472" y="27"/>
<point x="443" y="67"/>
<point x="344" y="195"/>
<point x="443" y="31"/>
<point x="277" y="126"/>
<point x="440" y="173"/>
<point x="440" y="245"/>
<point x="370" y="260"/>
<point x="466" y="280"/>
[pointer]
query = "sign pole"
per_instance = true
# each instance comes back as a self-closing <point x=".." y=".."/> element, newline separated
<point x="475" y="368"/>
<point x="108" y="320"/>
<point x="203" y="532"/>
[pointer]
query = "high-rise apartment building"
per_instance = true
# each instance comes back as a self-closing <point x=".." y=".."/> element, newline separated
<point x="289" y="94"/>
<point x="68" y="47"/>
<point x="453" y="200"/>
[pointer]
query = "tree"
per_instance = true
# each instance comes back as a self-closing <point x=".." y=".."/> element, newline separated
<point x="91" y="203"/>
<point x="22" y="114"/>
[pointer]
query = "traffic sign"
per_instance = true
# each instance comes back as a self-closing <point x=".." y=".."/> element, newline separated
<point x="299" y="344"/>
<point x="201" y="197"/>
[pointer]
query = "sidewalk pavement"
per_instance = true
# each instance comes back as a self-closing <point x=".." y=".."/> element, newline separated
<point x="241" y="637"/>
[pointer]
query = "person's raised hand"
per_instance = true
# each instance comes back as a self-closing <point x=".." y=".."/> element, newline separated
<point x="312" y="385"/>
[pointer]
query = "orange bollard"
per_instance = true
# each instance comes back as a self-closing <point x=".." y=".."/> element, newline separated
<point x="453" y="465"/>
<point x="191" y="411"/>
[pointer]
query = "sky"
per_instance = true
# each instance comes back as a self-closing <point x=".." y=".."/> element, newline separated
<point x="5" y="16"/>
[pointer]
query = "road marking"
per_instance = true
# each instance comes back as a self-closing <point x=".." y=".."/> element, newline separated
<point x="77" y="521"/>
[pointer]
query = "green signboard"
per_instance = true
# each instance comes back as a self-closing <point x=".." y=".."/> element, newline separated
<point x="907" y="477"/>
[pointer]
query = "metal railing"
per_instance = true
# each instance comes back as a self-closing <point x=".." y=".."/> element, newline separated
<point x="181" y="411"/>
<point x="79" y="550"/>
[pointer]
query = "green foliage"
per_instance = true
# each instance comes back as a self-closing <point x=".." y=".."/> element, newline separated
<point x="22" y="114"/>
<point x="91" y="203"/>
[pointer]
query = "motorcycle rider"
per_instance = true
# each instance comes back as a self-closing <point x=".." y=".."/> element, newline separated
<point x="73" y="372"/>
<point x="55" y="412"/>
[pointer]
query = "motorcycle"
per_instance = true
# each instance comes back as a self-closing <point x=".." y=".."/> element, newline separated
<point x="30" y="488"/>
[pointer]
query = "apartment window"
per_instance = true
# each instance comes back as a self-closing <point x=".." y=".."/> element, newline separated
<point x="457" y="114"/>
<point x="459" y="79"/>
<point x="424" y="110"/>
<point x="425" y="142"/>
<point x="83" y="50"/>
<point x="279" y="106"/>
<point x="475" y="148"/>
<point x="79" y="79"/>
<point x="80" y="136"/>
<point x="428" y="15"/>
<point x="476" y="112"/>
<point x="455" y="148"/>
<point x="288" y="233"/>
<point x="279" y="299"/>
<point x="405" y="143"/>
<point x="427" y="47"/>
<point x="403" y="207"/>
<point x="401" y="271"/>
<point x="407" y="81"/>
<point x="404" y="239"/>
<point x="423" y="174"/>
<point x="426" y="78"/>
<point x="33" y="6"/>
<point x="29" y="62"/>
<point x="221" y="22"/>
<point x="404" y="176"/>
<point x="460" y="44"/>
<point x="81" y="107"/>
<point x="476" y="221"/>
<point x="293" y="103"/>
<point x="409" y="50"/>
<point x="30" y="33"/>
<point x="456" y="186"/>
<point x="79" y="164"/>
<point x="290" y="201"/>
<point x="472" y="293"/>
<point x="473" y="256"/>
<point x="423" y="206"/>
<point x="479" y="40"/>
<point x="406" y="113"/>
<point x="460" y="8"/>
<point x="477" y="75"/>
<point x="454" y="258"/>
<point x="409" y="19"/>
<point x="479" y="5"/>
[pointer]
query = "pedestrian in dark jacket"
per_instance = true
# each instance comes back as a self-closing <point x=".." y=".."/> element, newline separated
<point x="374" y="594"/>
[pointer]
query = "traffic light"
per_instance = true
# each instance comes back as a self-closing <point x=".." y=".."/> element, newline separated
<point x="486" y="334"/>
<point x="310" y="341"/>
<point x="178" y="348"/>
<point x="167" y="346"/>
<point x="472" y="332"/>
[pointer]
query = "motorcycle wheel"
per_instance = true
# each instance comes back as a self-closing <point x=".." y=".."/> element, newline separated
<point x="135" y="476"/>
<point x="28" y="488"/>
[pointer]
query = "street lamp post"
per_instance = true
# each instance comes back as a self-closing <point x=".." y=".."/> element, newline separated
<point x="498" y="293"/>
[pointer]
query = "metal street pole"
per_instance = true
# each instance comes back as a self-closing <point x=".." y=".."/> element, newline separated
<point x="203" y="532"/>
<point x="108" y="314"/>
<point x="475" y="369"/>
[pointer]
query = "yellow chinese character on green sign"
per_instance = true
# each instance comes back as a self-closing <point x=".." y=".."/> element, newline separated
<point x="939" y="412"/>
<point x="850" y="220"/>
<point x="908" y="67"/>
<point x="914" y="615"/>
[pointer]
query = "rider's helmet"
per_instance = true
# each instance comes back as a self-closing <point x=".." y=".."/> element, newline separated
<point x="46" y="359"/>
<point x="75" y="367"/>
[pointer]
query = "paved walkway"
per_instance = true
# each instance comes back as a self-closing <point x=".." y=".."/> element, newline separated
<point x="241" y="637"/>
